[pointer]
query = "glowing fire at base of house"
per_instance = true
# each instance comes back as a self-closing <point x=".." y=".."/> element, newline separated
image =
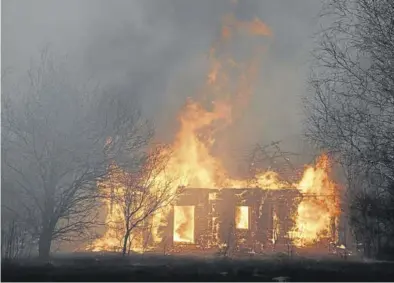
<point x="184" y="224"/>
<point x="242" y="217"/>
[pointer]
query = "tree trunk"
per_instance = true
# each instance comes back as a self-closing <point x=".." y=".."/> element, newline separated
<point x="44" y="244"/>
<point x="367" y="248"/>
<point x="125" y="242"/>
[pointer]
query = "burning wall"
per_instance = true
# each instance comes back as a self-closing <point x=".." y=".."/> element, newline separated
<point x="253" y="219"/>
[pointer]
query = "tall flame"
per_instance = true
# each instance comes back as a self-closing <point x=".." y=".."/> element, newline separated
<point x="226" y="92"/>
<point x="319" y="206"/>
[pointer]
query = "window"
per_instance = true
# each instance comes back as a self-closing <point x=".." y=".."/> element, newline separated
<point x="242" y="217"/>
<point x="184" y="224"/>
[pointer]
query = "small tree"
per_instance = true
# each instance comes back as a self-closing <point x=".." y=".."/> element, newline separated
<point x="140" y="193"/>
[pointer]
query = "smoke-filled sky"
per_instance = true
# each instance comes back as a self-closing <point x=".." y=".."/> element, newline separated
<point x="157" y="50"/>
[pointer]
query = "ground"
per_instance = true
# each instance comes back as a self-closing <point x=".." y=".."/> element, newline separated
<point x="110" y="268"/>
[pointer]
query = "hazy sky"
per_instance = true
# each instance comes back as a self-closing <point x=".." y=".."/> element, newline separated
<point x="156" y="50"/>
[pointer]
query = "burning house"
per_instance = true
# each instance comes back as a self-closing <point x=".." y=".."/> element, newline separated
<point x="215" y="209"/>
<point x="243" y="219"/>
<point x="255" y="219"/>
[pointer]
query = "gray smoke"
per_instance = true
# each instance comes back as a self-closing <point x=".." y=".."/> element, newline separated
<point x="157" y="51"/>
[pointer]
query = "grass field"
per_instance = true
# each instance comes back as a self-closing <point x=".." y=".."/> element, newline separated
<point x="99" y="267"/>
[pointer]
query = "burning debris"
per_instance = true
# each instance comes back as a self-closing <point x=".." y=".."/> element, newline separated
<point x="216" y="209"/>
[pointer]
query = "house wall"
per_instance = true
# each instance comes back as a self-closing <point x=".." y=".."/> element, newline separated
<point x="215" y="217"/>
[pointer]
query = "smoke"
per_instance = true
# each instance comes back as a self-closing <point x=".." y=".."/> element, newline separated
<point x="157" y="51"/>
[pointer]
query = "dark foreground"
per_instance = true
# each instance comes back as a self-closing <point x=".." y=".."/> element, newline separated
<point x="166" y="268"/>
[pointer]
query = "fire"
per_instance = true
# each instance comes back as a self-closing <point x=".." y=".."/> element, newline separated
<point x="319" y="206"/>
<point x="111" y="240"/>
<point x="228" y="85"/>
<point x="242" y="217"/>
<point x="184" y="224"/>
<point x="113" y="191"/>
<point x="225" y="94"/>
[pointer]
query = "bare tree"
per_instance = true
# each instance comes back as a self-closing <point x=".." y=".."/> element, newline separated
<point x="139" y="194"/>
<point x="271" y="157"/>
<point x="58" y="140"/>
<point x="351" y="109"/>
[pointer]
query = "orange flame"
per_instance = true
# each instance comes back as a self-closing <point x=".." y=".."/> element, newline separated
<point x="115" y="224"/>
<point x="319" y="206"/>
